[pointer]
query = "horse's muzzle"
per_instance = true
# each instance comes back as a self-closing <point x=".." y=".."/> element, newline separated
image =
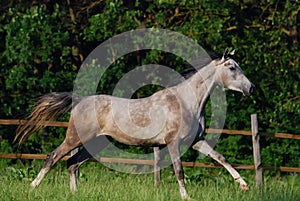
<point x="252" y="87"/>
<point x="250" y="91"/>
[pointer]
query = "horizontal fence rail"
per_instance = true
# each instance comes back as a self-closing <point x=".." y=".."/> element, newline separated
<point x="148" y="162"/>
<point x="21" y="122"/>
<point x="258" y="167"/>
<point x="208" y="131"/>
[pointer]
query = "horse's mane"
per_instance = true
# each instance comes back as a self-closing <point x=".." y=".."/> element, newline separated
<point x="191" y="68"/>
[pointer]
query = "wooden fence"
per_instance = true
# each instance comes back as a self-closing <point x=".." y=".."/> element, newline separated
<point x="258" y="167"/>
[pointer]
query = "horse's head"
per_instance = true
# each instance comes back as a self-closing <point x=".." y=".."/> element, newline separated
<point x="231" y="76"/>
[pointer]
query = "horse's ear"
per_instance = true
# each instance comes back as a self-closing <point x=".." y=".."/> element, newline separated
<point x="224" y="57"/>
<point x="232" y="52"/>
<point x="225" y="54"/>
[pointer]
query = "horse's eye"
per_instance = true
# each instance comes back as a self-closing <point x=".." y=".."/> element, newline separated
<point x="232" y="68"/>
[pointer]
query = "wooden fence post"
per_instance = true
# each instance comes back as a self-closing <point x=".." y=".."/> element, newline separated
<point x="256" y="151"/>
<point x="156" y="166"/>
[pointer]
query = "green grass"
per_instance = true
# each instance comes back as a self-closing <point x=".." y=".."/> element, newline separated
<point x="99" y="183"/>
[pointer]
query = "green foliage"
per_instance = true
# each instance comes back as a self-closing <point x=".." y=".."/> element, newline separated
<point x="35" y="60"/>
<point x="44" y="44"/>
<point x="34" y="50"/>
<point x="109" y="22"/>
<point x="33" y="29"/>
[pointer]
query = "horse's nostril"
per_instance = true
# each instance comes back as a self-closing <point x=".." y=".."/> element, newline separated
<point x="252" y="88"/>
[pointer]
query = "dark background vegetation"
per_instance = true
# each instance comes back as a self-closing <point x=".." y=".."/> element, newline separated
<point x="43" y="44"/>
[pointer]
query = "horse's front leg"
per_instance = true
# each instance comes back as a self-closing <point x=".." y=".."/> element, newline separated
<point x="173" y="148"/>
<point x="203" y="147"/>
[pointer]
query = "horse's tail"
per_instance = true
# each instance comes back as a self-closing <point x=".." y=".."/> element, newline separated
<point x="48" y="107"/>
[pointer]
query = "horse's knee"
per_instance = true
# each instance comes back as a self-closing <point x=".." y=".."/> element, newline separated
<point x="73" y="168"/>
<point x="178" y="170"/>
<point x="50" y="159"/>
<point x="180" y="174"/>
<point x="202" y="147"/>
<point x="219" y="157"/>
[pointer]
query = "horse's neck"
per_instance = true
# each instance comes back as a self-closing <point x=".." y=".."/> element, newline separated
<point x="197" y="89"/>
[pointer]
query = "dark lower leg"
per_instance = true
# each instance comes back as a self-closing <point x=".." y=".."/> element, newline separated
<point x="74" y="163"/>
<point x="90" y="149"/>
<point x="175" y="156"/>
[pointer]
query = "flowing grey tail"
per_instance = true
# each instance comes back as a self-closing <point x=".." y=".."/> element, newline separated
<point x="48" y="107"/>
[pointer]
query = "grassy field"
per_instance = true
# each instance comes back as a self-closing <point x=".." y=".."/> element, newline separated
<point x="99" y="183"/>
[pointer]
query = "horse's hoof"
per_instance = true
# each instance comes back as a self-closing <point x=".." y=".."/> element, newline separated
<point x="34" y="184"/>
<point x="188" y="198"/>
<point x="244" y="187"/>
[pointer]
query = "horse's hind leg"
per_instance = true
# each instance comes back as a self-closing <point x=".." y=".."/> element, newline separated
<point x="93" y="146"/>
<point x="71" y="142"/>
<point x="206" y="149"/>
<point x="74" y="163"/>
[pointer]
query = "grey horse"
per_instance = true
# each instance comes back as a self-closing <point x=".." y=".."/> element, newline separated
<point x="167" y="117"/>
